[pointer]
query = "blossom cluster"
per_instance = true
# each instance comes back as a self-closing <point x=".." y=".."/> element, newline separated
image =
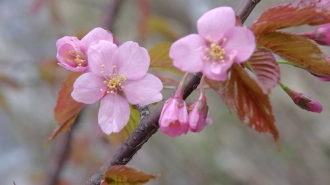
<point x="218" y="44"/>
<point x="116" y="75"/>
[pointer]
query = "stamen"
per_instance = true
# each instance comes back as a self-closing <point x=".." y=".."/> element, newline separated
<point x="113" y="81"/>
<point x="215" y="53"/>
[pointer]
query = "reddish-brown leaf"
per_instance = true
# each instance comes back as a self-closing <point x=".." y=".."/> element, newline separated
<point x="244" y="94"/>
<point x="51" y="72"/>
<point x="125" y="175"/>
<point x="291" y="14"/>
<point x="9" y="82"/>
<point x="66" y="109"/>
<point x="297" y="50"/>
<point x="266" y="69"/>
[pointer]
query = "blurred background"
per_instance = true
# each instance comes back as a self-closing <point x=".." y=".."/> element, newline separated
<point x="225" y="153"/>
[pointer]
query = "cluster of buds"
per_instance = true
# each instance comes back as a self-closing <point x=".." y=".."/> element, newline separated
<point x="177" y="117"/>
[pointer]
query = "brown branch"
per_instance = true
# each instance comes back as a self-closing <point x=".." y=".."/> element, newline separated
<point x="111" y="13"/>
<point x="60" y="150"/>
<point x="149" y="124"/>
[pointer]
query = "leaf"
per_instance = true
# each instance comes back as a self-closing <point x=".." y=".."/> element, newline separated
<point x="160" y="24"/>
<point x="167" y="81"/>
<point x="124" y="175"/>
<point x="159" y="58"/>
<point x="244" y="94"/>
<point x="120" y="137"/>
<point x="3" y="103"/>
<point x="50" y="71"/>
<point x="9" y="82"/>
<point x="297" y="50"/>
<point x="66" y="109"/>
<point x="291" y="14"/>
<point x="266" y="69"/>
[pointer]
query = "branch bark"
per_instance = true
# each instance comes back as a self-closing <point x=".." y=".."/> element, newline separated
<point x="60" y="151"/>
<point x="149" y="123"/>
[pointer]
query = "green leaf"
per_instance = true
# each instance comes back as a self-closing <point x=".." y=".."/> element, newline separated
<point x="120" y="137"/>
<point x="161" y="25"/>
<point x="66" y="109"/>
<point x="298" y="50"/>
<point x="123" y="175"/>
<point x="291" y="14"/>
<point x="159" y="58"/>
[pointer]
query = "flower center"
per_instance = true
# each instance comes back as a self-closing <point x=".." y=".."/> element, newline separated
<point x="113" y="81"/>
<point x="215" y="53"/>
<point x="75" y="58"/>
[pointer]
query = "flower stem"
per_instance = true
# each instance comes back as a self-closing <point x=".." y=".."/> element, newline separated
<point x="286" y="63"/>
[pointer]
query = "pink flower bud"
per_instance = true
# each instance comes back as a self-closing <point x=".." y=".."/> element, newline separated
<point x="322" y="78"/>
<point x="303" y="101"/>
<point x="198" y="115"/>
<point x="321" y="35"/>
<point x="174" y="117"/>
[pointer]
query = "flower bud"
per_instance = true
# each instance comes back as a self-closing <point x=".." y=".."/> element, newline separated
<point x="173" y="119"/>
<point x="303" y="101"/>
<point x="198" y="115"/>
<point x="321" y="35"/>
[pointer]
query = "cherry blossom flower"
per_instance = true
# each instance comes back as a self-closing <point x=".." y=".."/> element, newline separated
<point x="321" y="35"/>
<point x="198" y="115"/>
<point x="72" y="53"/>
<point x="174" y="119"/>
<point x="302" y="100"/>
<point x="218" y="44"/>
<point x="324" y="2"/>
<point x="118" y="76"/>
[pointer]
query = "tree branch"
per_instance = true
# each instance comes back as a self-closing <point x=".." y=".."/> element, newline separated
<point x="149" y="124"/>
<point x="60" y="150"/>
<point x="111" y="13"/>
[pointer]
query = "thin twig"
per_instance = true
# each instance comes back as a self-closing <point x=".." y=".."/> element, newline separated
<point x="111" y="13"/>
<point x="60" y="151"/>
<point x="149" y="124"/>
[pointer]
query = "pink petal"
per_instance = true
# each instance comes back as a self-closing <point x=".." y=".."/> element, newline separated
<point x="65" y="40"/>
<point x="74" y="69"/>
<point x="131" y="60"/>
<point x="100" y="54"/>
<point x="96" y="35"/>
<point x="87" y="88"/>
<point x="114" y="113"/>
<point x="187" y="53"/>
<point x="143" y="91"/>
<point x="242" y="40"/>
<point x="214" y="23"/>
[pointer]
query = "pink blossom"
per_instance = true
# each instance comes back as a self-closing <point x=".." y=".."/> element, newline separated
<point x="324" y="2"/>
<point x="173" y="119"/>
<point x="72" y="53"/>
<point x="198" y="115"/>
<point x="218" y="44"/>
<point x="118" y="76"/>
<point x="321" y="35"/>
<point x="302" y="100"/>
<point x="322" y="78"/>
